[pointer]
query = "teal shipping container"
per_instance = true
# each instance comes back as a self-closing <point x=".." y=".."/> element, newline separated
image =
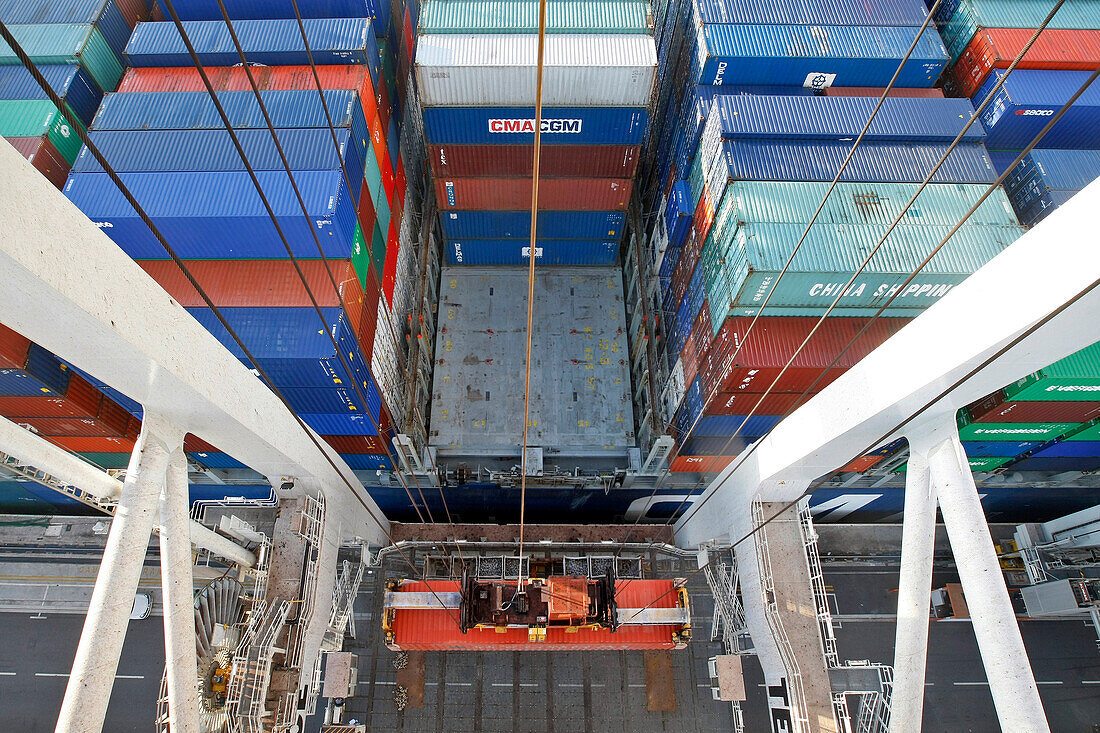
<point x="522" y="16"/>
<point x="67" y="43"/>
<point x="972" y="15"/>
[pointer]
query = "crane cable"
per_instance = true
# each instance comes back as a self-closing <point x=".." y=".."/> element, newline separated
<point x="36" y="74"/>
<point x="531" y="281"/>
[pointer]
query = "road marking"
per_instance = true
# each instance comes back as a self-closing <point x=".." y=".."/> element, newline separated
<point x="929" y="684"/>
<point x="129" y="676"/>
<point x="635" y="684"/>
<point x="1090" y="682"/>
<point x="528" y="684"/>
<point x="570" y="684"/>
<point x="963" y="684"/>
<point x="379" y="682"/>
<point x="51" y="674"/>
<point x="7" y="674"/>
<point x="66" y="674"/>
<point x="461" y="684"/>
<point x="502" y="684"/>
<point x="1049" y="682"/>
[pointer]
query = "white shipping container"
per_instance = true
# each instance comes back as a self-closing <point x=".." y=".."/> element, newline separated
<point x="499" y="70"/>
<point x="674" y="392"/>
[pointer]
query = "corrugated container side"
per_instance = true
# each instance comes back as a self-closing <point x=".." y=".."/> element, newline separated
<point x="67" y="43"/>
<point x="1024" y="104"/>
<point x="81" y="400"/>
<point x="996" y="48"/>
<point x="1057" y="464"/>
<point x="465" y="225"/>
<point x="551" y="252"/>
<point x="41" y="374"/>
<point x="997" y="407"/>
<point x="555" y="194"/>
<point x="1014" y="431"/>
<point x="932" y="93"/>
<point x="72" y="83"/>
<point x="558" y="161"/>
<point x="13" y="348"/>
<point x="1071" y="379"/>
<point x="971" y="15"/>
<point x="1070" y="449"/>
<point x="516" y="125"/>
<point x="46" y="159"/>
<point x="267" y="9"/>
<point x="37" y="118"/>
<point x="522" y="16"/>
<point x="498" y="70"/>
<point x="254" y="283"/>
<point x="832" y="12"/>
<point x="989" y="448"/>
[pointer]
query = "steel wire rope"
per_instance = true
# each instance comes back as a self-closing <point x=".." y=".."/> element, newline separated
<point x="31" y="67"/>
<point x="901" y="214"/>
<point x="324" y="258"/>
<point x="531" y="280"/>
<point x="892" y="431"/>
<point x="670" y="315"/>
<point x="344" y="361"/>
<point x="866" y="327"/>
<point x="370" y="262"/>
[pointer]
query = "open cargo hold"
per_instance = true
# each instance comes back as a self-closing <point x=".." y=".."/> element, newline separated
<point x="499" y="70"/>
<point x="793" y="55"/>
<point x="70" y="82"/>
<point x="1075" y="378"/>
<point x="522" y="16"/>
<point x="603" y="225"/>
<point x="555" y="194"/>
<point x="1029" y="98"/>
<point x="548" y="252"/>
<point x="152" y="151"/>
<point x="340" y="41"/>
<point x="558" y="161"/>
<point x="970" y="16"/>
<point x="516" y="125"/>
<point x="67" y="43"/>
<point x="996" y="48"/>
<point x="219" y="215"/>
<point x="42" y="154"/>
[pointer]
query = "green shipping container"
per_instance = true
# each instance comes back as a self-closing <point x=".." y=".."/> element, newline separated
<point x="360" y="257"/>
<point x="1091" y="433"/>
<point x="37" y="117"/>
<point x="67" y="43"/>
<point x="107" y="460"/>
<point x="1015" y="432"/>
<point x="373" y="174"/>
<point x="977" y="464"/>
<point x="522" y="16"/>
<point x="1075" y="378"/>
<point x="970" y="15"/>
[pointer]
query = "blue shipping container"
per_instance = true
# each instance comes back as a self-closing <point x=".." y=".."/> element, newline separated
<point x="1069" y="170"/>
<point x="265" y="9"/>
<point x="333" y="400"/>
<point x="1026" y="102"/>
<point x="829" y="12"/>
<point x="1070" y="449"/>
<point x="366" y="461"/>
<point x="1035" y="463"/>
<point x="727" y="425"/>
<point x="765" y="160"/>
<point x="341" y="424"/>
<point x="73" y="84"/>
<point x="678" y="214"/>
<point x="103" y="14"/>
<point x="42" y="376"/>
<point x="995" y="449"/>
<point x="1038" y="210"/>
<point x="339" y="41"/>
<point x="901" y="119"/>
<point x="150" y="151"/>
<point x="601" y="225"/>
<point x="219" y="215"/>
<point x="794" y="55"/>
<point x="516" y="126"/>
<point x="547" y="252"/>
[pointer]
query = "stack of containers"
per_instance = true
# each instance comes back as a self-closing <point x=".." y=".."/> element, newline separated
<point x="78" y="46"/>
<point x="983" y="38"/>
<point x="164" y="137"/>
<point x="744" y="157"/>
<point x="476" y="75"/>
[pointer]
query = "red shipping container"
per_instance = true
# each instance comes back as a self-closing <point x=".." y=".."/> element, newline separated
<point x="366" y="321"/>
<point x="744" y="403"/>
<point x="90" y="444"/>
<point x="42" y="154"/>
<point x="112" y="422"/>
<point x="877" y="92"/>
<point x="13" y="349"/>
<point x="995" y="408"/>
<point x="861" y="464"/>
<point x="251" y="283"/>
<point x="389" y="273"/>
<point x="557" y="161"/>
<point x="368" y="213"/>
<point x="995" y="48"/>
<point x="81" y="400"/>
<point x="704" y="216"/>
<point x="435" y="629"/>
<point x="774" y="340"/>
<point x="514" y="194"/>
<point x="689" y="358"/>
<point x="134" y="11"/>
<point x="194" y="444"/>
<point x="357" y="444"/>
<point x="400" y="182"/>
<point x="376" y="107"/>
<point x="700" y="464"/>
<point x="410" y="39"/>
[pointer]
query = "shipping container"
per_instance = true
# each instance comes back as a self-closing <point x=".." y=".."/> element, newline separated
<point x="516" y="125"/>
<point x="742" y="273"/>
<point x="81" y="400"/>
<point x="13" y="348"/>
<point x="1038" y="210"/>
<point x="466" y="225"/>
<point x="367" y="461"/>
<point x="1013" y="432"/>
<point x="831" y="12"/>
<point x="555" y="194"/>
<point x="42" y="154"/>
<point x="700" y="464"/>
<point x="1022" y="107"/>
<point x="742" y="402"/>
<point x="972" y="15"/>
<point x="66" y="43"/>
<point x="150" y="151"/>
<point x="255" y="283"/>
<point x="987" y="448"/>
<point x="268" y="9"/>
<point x="1045" y="179"/>
<point x="997" y="48"/>
<point x="522" y="16"/>
<point x="341" y="424"/>
<point x="39" y="373"/>
<point x="997" y="407"/>
<point x="337" y="401"/>
<point x="815" y="56"/>
<point x="557" y="161"/>
<point x="499" y="70"/>
<point x="768" y="160"/>
<point x="842" y="118"/>
<point x="356" y="444"/>
<point x="549" y="252"/>
<point x="107" y="16"/>
<point x="39" y="118"/>
<point x="214" y="459"/>
<point x="930" y="93"/>
<point x="861" y="464"/>
<point x="1070" y="448"/>
<point x="750" y="361"/>
<point x="332" y="41"/>
<point x="219" y="215"/>
<point x="73" y="84"/>
<point x="1057" y="464"/>
<point x="727" y="425"/>
<point x="110" y="422"/>
<point x="1072" y="379"/>
<point x="94" y="444"/>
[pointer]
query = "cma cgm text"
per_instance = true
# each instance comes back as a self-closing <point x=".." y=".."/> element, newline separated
<point x="528" y="126"/>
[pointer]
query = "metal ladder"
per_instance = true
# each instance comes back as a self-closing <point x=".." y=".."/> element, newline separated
<point x="17" y="467"/>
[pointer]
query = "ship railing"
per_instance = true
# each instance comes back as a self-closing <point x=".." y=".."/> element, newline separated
<point x="817" y="580"/>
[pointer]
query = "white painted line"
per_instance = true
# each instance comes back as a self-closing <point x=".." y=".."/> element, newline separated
<point x="598" y="684"/>
<point x="426" y="683"/>
<point x="929" y="684"/>
<point x="1090" y="682"/>
<point x="7" y="674"/>
<point x="528" y="684"/>
<point x="635" y="684"/>
<point x="461" y="684"/>
<point x="570" y="684"/>
<point x="385" y="683"/>
<point x="964" y="684"/>
<point x="1049" y="682"/>
<point x="502" y="684"/>
<point x="51" y="674"/>
<point x="129" y="676"/>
